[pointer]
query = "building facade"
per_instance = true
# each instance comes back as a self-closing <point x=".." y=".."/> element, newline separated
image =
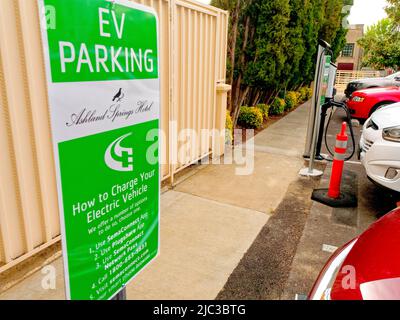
<point x="351" y="57"/>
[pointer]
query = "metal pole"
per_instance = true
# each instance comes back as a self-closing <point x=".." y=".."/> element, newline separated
<point x="120" y="295"/>
<point x="311" y="118"/>
<point x="315" y="122"/>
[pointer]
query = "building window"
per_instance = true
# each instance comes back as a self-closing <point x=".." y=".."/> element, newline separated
<point x="348" y="50"/>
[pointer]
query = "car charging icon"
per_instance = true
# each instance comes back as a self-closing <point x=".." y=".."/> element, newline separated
<point x="117" y="157"/>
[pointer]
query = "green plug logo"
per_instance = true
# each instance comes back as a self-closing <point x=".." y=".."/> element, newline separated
<point x="117" y="157"/>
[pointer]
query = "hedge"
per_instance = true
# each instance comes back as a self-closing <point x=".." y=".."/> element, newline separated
<point x="264" y="108"/>
<point x="306" y="93"/>
<point x="250" y="117"/>
<point x="228" y="128"/>
<point x="291" y="100"/>
<point x="277" y="107"/>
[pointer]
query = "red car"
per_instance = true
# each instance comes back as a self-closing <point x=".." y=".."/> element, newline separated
<point x="366" y="268"/>
<point x="364" y="102"/>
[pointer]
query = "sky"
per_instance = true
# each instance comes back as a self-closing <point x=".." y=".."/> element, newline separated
<point x="366" y="12"/>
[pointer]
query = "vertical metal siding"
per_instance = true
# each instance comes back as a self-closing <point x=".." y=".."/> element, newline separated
<point x="193" y="54"/>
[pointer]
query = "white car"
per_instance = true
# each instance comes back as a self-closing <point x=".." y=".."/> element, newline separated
<point x="380" y="147"/>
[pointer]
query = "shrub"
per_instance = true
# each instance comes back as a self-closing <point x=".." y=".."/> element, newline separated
<point x="264" y="108"/>
<point x="277" y="107"/>
<point x="306" y="93"/>
<point x="309" y="93"/>
<point x="299" y="97"/>
<point x="250" y="117"/>
<point x="303" y="94"/>
<point x="291" y="100"/>
<point x="228" y="128"/>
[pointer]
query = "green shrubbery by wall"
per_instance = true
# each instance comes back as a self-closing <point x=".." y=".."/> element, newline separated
<point x="277" y="107"/>
<point x="305" y="94"/>
<point x="264" y="108"/>
<point x="291" y="100"/>
<point x="253" y="117"/>
<point x="250" y="117"/>
<point x="228" y="128"/>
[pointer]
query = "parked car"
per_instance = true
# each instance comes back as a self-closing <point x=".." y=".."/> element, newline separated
<point x="366" y="268"/>
<point x="364" y="103"/>
<point x="389" y="81"/>
<point x="380" y="147"/>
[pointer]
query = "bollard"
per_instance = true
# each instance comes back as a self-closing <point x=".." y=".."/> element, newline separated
<point x="338" y="163"/>
<point x="333" y="197"/>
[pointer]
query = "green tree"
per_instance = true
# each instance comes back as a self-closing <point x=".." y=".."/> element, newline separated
<point x="381" y="44"/>
<point x="393" y="11"/>
<point x="266" y="68"/>
<point x="339" y="42"/>
<point x="296" y="37"/>
<point x="273" y="44"/>
<point x="314" y="10"/>
<point x="235" y="7"/>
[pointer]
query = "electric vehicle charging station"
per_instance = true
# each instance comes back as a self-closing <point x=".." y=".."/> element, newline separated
<point x="329" y="97"/>
<point x="330" y="92"/>
<point x="323" y="87"/>
<point x="323" y="99"/>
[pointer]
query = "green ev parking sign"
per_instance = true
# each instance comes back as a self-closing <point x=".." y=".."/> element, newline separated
<point x="102" y="66"/>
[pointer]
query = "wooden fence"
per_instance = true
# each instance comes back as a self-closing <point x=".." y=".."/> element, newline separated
<point x="344" y="77"/>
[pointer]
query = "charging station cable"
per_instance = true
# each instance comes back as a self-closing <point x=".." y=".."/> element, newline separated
<point x="340" y="106"/>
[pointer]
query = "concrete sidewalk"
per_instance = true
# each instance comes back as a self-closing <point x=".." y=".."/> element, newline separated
<point x="208" y="221"/>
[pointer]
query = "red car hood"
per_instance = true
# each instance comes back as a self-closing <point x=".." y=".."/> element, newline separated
<point x="375" y="261"/>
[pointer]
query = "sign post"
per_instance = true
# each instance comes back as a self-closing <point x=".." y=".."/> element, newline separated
<point x="102" y="67"/>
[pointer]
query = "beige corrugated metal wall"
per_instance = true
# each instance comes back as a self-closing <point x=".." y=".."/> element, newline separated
<point x="195" y="37"/>
<point x="193" y="56"/>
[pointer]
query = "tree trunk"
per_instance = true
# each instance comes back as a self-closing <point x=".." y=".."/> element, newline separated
<point x="265" y="96"/>
<point x="256" y="98"/>
<point x="273" y="95"/>
<point x="232" y="49"/>
<point x="241" y="98"/>
<point x="244" y="95"/>
<point x="237" y="97"/>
